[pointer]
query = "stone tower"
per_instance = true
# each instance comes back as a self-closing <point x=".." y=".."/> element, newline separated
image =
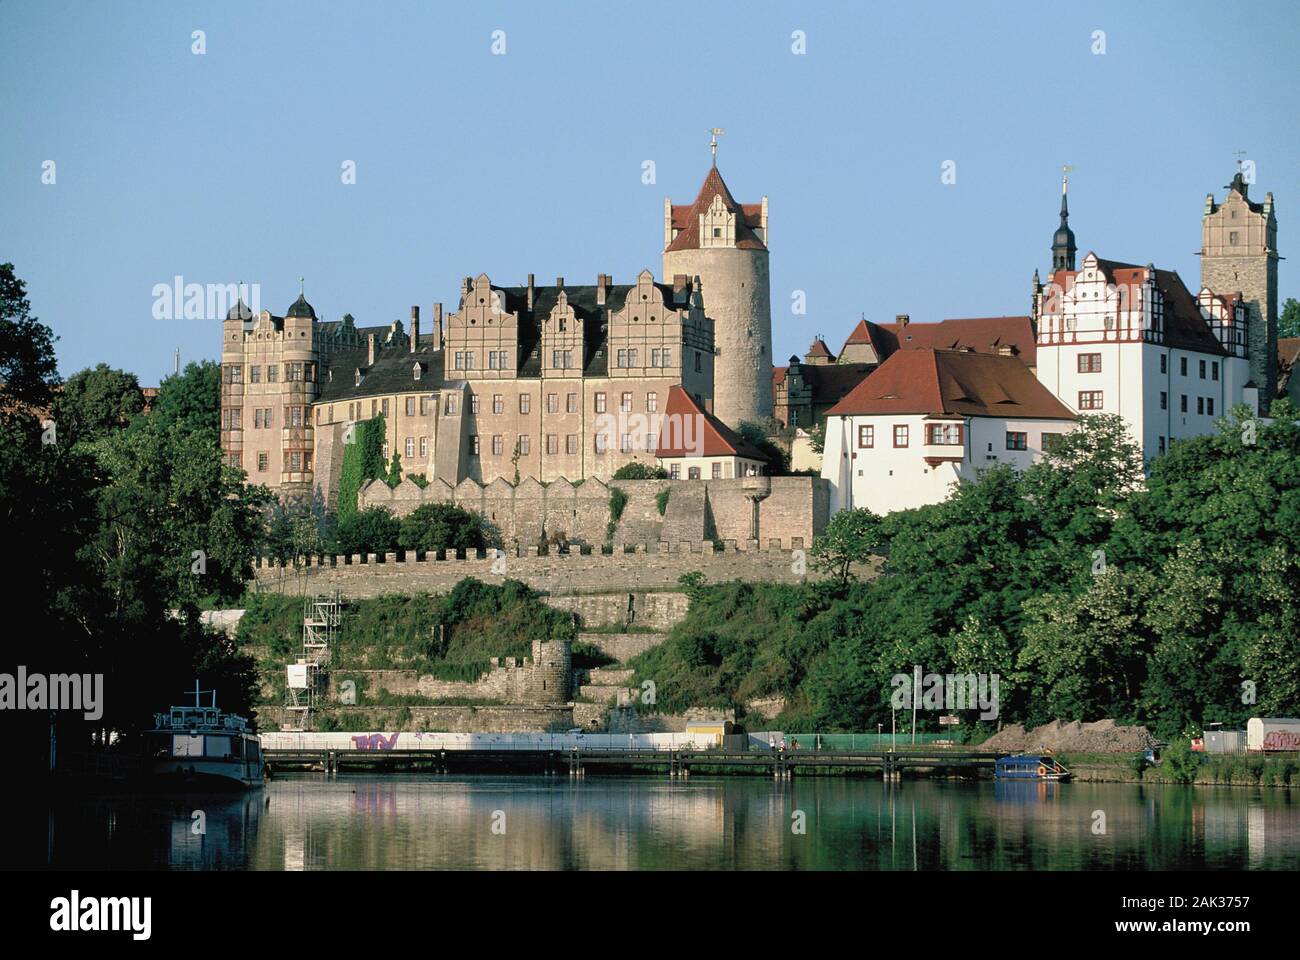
<point x="1239" y="255"/>
<point x="552" y="670"/>
<point x="724" y="243"/>
<point x="1063" y="248"/>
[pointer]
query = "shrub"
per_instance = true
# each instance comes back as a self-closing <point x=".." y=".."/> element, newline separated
<point x="639" y="471"/>
<point x="661" y="499"/>
<point x="441" y="526"/>
<point x="373" y="530"/>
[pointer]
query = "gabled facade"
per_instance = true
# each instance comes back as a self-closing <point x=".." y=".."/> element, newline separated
<point x="692" y="444"/>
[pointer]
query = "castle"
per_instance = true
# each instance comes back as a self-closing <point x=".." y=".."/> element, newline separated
<point x="525" y="381"/>
<point x="1108" y="337"/>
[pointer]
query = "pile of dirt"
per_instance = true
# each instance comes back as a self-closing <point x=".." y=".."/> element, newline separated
<point x="1101" y="736"/>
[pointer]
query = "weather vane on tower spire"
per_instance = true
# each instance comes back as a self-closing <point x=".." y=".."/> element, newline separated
<point x="713" y="144"/>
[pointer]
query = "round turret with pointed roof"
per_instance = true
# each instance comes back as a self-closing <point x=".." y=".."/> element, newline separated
<point x="301" y="309"/>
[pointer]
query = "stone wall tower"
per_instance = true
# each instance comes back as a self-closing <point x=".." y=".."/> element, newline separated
<point x="552" y="671"/>
<point x="724" y="243"/>
<point x="1239" y="255"/>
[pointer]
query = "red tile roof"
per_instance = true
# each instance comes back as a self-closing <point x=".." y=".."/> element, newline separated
<point x="687" y="219"/>
<point x="819" y="349"/>
<point x="687" y="430"/>
<point x="949" y="382"/>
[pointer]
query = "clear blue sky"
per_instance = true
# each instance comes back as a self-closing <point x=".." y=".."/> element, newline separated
<point x="226" y="166"/>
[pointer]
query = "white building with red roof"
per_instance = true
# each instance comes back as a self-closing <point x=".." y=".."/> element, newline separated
<point x="928" y="419"/>
<point x="693" y="444"/>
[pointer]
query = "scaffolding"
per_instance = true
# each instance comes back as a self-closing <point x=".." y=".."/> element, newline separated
<point x="308" y="679"/>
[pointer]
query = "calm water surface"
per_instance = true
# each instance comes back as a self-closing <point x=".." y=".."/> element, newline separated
<point x="642" y="823"/>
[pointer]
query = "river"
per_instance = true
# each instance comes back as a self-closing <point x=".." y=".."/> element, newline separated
<point x="310" y="822"/>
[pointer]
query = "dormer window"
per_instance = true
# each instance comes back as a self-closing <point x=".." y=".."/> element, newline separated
<point x="415" y="371"/>
<point x="356" y="377"/>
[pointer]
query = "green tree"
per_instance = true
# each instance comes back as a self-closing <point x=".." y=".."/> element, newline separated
<point x="1288" y="321"/>
<point x="851" y="537"/>
<point x="394" y="476"/>
<point x="191" y="398"/>
<point x="373" y="530"/>
<point x="28" y="369"/>
<point x="441" y="526"/>
<point x="96" y="402"/>
<point x="639" y="471"/>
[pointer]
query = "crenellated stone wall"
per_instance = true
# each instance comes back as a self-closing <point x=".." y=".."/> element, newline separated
<point x="531" y="514"/>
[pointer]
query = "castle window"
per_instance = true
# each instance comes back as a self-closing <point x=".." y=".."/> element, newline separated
<point x="563" y="324"/>
<point x="1164" y="400"/>
<point x="600" y="403"/>
<point x="1209" y="406"/>
<point x="255" y="374"/>
<point x="552" y="403"/>
<point x="1182" y="366"/>
<point x="1202" y="369"/>
<point x="650" y="442"/>
<point x="652" y="402"/>
<point x="943" y="434"/>
<point x="900" y="435"/>
<point x="553" y="444"/>
<point x="295" y="461"/>
<point x="384" y="406"/>
<point x="525" y="444"/>
<point x="697" y="361"/>
<point x="675" y="471"/>
<point x="525" y="402"/>
<point x="424" y="406"/>
<point x="1160" y="444"/>
<point x="498" y="403"/>
<point x="1090" y="400"/>
<point x="631" y="357"/>
<point x="473" y="444"/>
<point x="424" y="446"/>
<point x="693" y="473"/>
<point x="1090" y="363"/>
<point x="385" y="448"/>
<point x="1182" y="403"/>
<point x="571" y="444"/>
<point x="474" y="404"/>
<point x="625" y="403"/>
<point x="866" y="436"/>
<point x="667" y="357"/>
<point x="410" y="406"/>
<point x="1017" y="440"/>
<point x="263" y="461"/>
<point x="717" y="470"/>
<point x="622" y="358"/>
<point x="410" y="446"/>
<point x="272" y="372"/>
<point x="415" y="372"/>
<point x="1214" y="370"/>
<point x="460" y="360"/>
<point x="1164" y="363"/>
<point x="1050" y="440"/>
<point x="451" y="404"/>
<point x="717" y="231"/>
<point x="469" y="359"/>
<point x="625" y="443"/>
<point x="296" y="416"/>
<point x="497" y="445"/>
<point x="654" y="357"/>
<point x="601" y="442"/>
<point x="1232" y="237"/>
<point x="1200" y="406"/>
<point x="571" y="403"/>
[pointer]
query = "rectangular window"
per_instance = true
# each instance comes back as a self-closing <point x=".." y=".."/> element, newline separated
<point x="625" y="443"/>
<point x="1209" y="406"/>
<point x="717" y="470"/>
<point x="1090" y="363"/>
<point x="571" y="403"/>
<point x="1202" y="369"/>
<point x="410" y="447"/>
<point x="600" y="403"/>
<point x="1160" y="444"/>
<point x="866" y="436"/>
<point x="552" y="403"/>
<point x="257" y="419"/>
<point x="571" y="444"/>
<point x="943" y="434"/>
<point x="474" y="403"/>
<point x="272" y="372"/>
<point x="1182" y="403"/>
<point x="697" y="361"/>
<point x="497" y="445"/>
<point x="900" y="435"/>
<point x="473" y="444"/>
<point x="1200" y="406"/>
<point x="1164" y="363"/>
<point x="1214" y="370"/>
<point x="651" y="442"/>
<point x="297" y="416"/>
<point x="632" y="357"/>
<point x="622" y="358"/>
<point x="525" y="402"/>
<point x="1050" y="440"/>
<point x="525" y="444"/>
<point x="424" y="446"/>
<point x="625" y="403"/>
<point x="1164" y="400"/>
<point x="460" y="360"/>
<point x="384" y="405"/>
<point x="667" y="357"/>
<point x="652" y="402"/>
<point x="675" y="471"/>
<point x="452" y="406"/>
<point x="654" y="357"/>
<point x="601" y="441"/>
<point x="552" y="444"/>
<point x="255" y="374"/>
<point x="469" y="359"/>
<point x="693" y="473"/>
<point x="410" y="406"/>
<point x="424" y="406"/>
<point x="492" y="360"/>
<point x="263" y="460"/>
<point x="295" y="461"/>
<point x="1182" y="366"/>
<point x="1090" y="400"/>
<point x="1017" y="440"/>
<point x="498" y="403"/>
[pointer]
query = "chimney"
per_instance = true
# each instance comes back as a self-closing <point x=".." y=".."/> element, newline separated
<point x="370" y="350"/>
<point x="680" y="285"/>
<point x="435" y="334"/>
<point x="902" y="320"/>
<point x="559" y="283"/>
<point x="530" y="293"/>
<point x="602" y="282"/>
<point x="415" y="328"/>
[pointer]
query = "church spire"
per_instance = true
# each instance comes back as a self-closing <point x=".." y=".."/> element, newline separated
<point x="1063" y="248"/>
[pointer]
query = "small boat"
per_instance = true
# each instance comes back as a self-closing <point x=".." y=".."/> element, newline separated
<point x="202" y="746"/>
<point x="1030" y="767"/>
